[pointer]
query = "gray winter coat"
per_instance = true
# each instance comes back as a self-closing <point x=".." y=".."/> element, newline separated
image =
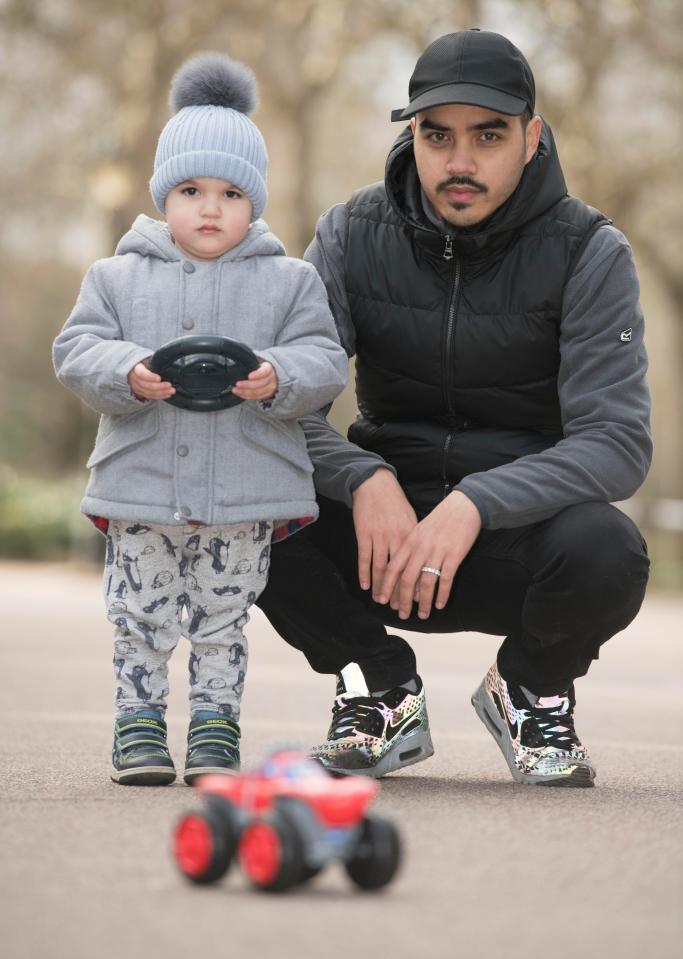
<point x="154" y="462"/>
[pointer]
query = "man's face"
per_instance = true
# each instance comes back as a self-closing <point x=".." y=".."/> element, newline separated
<point x="470" y="159"/>
<point x="207" y="217"/>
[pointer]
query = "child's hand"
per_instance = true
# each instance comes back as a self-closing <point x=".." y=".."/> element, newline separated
<point x="261" y="384"/>
<point x="146" y="385"/>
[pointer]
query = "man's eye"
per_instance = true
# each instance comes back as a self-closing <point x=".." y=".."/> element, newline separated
<point x="437" y="137"/>
<point x="489" y="137"/>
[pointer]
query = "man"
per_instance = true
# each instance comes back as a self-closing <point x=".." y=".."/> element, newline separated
<point x="501" y="386"/>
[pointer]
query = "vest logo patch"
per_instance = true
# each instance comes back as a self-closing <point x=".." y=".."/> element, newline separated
<point x="625" y="335"/>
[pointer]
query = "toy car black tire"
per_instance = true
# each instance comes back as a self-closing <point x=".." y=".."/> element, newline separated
<point x="203" y="370"/>
<point x="304" y="820"/>
<point x="377" y="854"/>
<point x="271" y="853"/>
<point x="204" y="844"/>
<point x="227" y="811"/>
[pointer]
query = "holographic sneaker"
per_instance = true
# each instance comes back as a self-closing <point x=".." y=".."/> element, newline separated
<point x="375" y="735"/>
<point x="535" y="733"/>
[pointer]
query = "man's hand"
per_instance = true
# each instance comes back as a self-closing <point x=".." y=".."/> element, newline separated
<point x="146" y="385"/>
<point x="442" y="540"/>
<point x="383" y="517"/>
<point x="261" y="384"/>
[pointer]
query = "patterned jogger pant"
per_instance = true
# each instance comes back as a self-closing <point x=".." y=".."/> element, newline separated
<point x="164" y="581"/>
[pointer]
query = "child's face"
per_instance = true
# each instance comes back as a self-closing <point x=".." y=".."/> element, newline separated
<point x="207" y="217"/>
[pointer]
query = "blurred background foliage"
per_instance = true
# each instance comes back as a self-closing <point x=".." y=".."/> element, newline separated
<point x="83" y="96"/>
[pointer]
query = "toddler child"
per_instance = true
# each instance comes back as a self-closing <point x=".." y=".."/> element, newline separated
<point x="190" y="501"/>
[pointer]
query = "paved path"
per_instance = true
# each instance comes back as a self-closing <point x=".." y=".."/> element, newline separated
<point x="492" y="869"/>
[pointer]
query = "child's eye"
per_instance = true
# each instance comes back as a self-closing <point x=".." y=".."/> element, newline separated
<point x="233" y="195"/>
<point x="189" y="190"/>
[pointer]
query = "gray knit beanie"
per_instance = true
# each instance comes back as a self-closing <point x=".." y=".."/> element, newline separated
<point x="211" y="134"/>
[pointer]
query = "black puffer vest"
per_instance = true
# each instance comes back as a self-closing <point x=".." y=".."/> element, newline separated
<point x="457" y="347"/>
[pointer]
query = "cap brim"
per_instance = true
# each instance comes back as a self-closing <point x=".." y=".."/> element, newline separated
<point x="472" y="94"/>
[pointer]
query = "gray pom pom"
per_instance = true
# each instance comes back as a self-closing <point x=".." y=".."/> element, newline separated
<point x="213" y="78"/>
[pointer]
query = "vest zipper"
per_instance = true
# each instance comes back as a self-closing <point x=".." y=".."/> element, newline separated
<point x="448" y="350"/>
<point x="450" y="322"/>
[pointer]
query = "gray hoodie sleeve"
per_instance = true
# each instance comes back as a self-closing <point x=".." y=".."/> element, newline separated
<point x="90" y="356"/>
<point x="606" y="450"/>
<point x="311" y="366"/>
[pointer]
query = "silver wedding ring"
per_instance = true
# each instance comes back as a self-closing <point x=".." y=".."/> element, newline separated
<point x="431" y="569"/>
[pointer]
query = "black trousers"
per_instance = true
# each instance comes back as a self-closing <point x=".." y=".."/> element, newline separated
<point x="556" y="590"/>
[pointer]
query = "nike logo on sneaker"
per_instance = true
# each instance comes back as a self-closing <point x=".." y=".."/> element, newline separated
<point x="500" y="705"/>
<point x="513" y="728"/>
<point x="392" y="731"/>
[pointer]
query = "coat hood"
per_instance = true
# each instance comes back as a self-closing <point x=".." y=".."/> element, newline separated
<point x="149" y="237"/>
<point x="541" y="186"/>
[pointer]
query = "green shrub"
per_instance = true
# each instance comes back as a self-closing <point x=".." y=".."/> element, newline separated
<point x="40" y="518"/>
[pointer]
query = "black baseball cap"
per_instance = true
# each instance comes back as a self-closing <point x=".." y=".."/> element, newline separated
<point x="474" y="67"/>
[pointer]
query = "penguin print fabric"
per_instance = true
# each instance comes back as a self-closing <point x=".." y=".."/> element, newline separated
<point x="161" y="582"/>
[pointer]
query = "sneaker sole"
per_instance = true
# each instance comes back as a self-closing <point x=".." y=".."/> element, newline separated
<point x="581" y="778"/>
<point x="191" y="774"/>
<point x="144" y="776"/>
<point x="414" y="748"/>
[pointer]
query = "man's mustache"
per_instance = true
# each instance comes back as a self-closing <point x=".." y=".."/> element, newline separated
<point x="461" y="181"/>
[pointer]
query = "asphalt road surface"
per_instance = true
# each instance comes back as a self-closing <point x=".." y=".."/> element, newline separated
<point x="491" y="868"/>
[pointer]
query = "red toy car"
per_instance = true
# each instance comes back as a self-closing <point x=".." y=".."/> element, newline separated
<point x="285" y="821"/>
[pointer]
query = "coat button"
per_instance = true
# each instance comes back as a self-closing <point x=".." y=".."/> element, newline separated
<point x="188" y="267"/>
<point x="182" y="451"/>
<point x="188" y="324"/>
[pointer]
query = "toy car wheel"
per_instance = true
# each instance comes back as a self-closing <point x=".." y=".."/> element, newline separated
<point x="227" y="812"/>
<point x="271" y="853"/>
<point x="304" y="822"/>
<point x="204" y="845"/>
<point x="377" y="854"/>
